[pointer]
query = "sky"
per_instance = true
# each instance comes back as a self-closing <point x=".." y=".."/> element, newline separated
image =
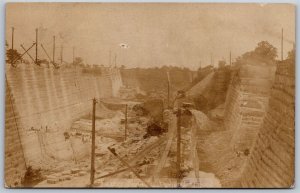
<point x="146" y="35"/>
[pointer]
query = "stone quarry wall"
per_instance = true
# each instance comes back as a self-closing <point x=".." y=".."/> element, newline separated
<point x="47" y="101"/>
<point x="271" y="163"/>
<point x="14" y="158"/>
<point x="246" y="103"/>
<point x="211" y="91"/>
<point x="216" y="94"/>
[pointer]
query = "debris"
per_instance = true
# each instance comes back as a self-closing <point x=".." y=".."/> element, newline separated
<point x="82" y="173"/>
<point x="155" y="130"/>
<point x="52" y="181"/>
<point x="32" y="177"/>
<point x="74" y="171"/>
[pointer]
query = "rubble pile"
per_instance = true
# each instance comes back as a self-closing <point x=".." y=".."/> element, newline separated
<point x="134" y="151"/>
<point x="148" y="152"/>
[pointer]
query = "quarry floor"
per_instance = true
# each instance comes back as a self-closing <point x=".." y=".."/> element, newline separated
<point x="135" y="151"/>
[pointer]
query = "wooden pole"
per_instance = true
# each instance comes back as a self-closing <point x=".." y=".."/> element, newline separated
<point x="36" y="46"/>
<point x="168" y="94"/>
<point x="281" y="44"/>
<point x="162" y="110"/>
<point x="230" y="58"/>
<point x="53" y="54"/>
<point x="168" y="76"/>
<point x="109" y="58"/>
<point x="61" y="54"/>
<point x="126" y="119"/>
<point x="12" y="37"/>
<point x="178" y="147"/>
<point x="73" y="54"/>
<point x="12" y="45"/>
<point x="92" y="177"/>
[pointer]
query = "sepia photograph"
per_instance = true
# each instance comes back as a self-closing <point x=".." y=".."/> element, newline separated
<point x="149" y="95"/>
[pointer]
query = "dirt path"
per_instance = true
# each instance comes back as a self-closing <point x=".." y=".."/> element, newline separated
<point x="164" y="155"/>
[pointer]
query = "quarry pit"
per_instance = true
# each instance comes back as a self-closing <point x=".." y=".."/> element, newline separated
<point x="226" y="128"/>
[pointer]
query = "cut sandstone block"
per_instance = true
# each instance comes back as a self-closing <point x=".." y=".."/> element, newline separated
<point x="52" y="181"/>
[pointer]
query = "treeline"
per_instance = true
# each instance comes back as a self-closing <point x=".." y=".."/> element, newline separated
<point x="156" y="79"/>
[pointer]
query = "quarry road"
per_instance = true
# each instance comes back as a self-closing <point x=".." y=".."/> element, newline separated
<point x="164" y="155"/>
<point x="199" y="178"/>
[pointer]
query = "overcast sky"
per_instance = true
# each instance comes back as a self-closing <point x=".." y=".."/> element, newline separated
<point x="154" y="34"/>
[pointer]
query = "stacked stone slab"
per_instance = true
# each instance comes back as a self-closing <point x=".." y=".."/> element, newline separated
<point x="48" y="100"/>
<point x="272" y="159"/>
<point x="15" y="166"/>
<point x="246" y="104"/>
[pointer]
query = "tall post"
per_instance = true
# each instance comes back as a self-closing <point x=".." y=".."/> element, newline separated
<point x="61" y="54"/>
<point x="178" y="146"/>
<point x="168" y="94"/>
<point x="230" y="58"/>
<point x="12" y="44"/>
<point x="109" y="58"/>
<point x="126" y="120"/>
<point x="162" y="110"/>
<point x="92" y="177"/>
<point x="115" y="60"/>
<point x="53" y="52"/>
<point x="168" y="76"/>
<point x="73" y="54"/>
<point x="281" y="44"/>
<point x="36" y="46"/>
<point x="12" y="37"/>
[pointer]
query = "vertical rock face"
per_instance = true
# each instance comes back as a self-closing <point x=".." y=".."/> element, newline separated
<point x="116" y="80"/>
<point x="216" y="95"/>
<point x="47" y="101"/>
<point x="246" y="104"/>
<point x="14" y="158"/>
<point x="211" y="91"/>
<point x="271" y="163"/>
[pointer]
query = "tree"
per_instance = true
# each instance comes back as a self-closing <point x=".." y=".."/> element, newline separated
<point x="263" y="53"/>
<point x="265" y="50"/>
<point x="78" y="61"/>
<point x="13" y="56"/>
<point x="291" y="55"/>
